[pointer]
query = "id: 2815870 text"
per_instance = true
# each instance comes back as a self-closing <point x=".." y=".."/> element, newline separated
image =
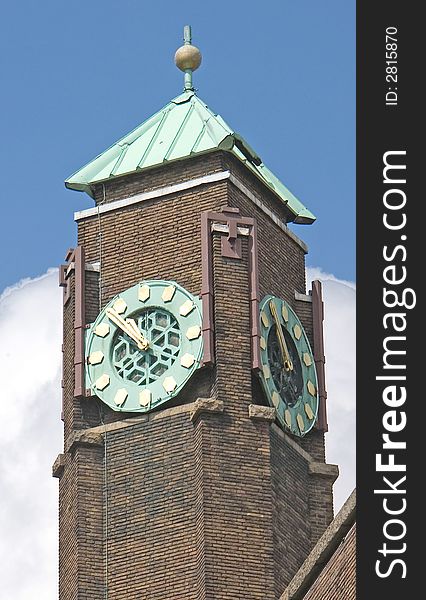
<point x="391" y="53"/>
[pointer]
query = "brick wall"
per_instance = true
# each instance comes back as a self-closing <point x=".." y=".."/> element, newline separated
<point x="68" y="542"/>
<point x="237" y="477"/>
<point x="154" y="506"/>
<point x="290" y="488"/>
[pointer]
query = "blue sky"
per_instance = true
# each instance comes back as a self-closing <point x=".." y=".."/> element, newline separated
<point x="76" y="76"/>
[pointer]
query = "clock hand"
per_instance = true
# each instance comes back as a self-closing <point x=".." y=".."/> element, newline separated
<point x="129" y="326"/>
<point x="288" y="364"/>
<point x="133" y="325"/>
<point x="120" y="322"/>
<point x="141" y="341"/>
<point x="132" y="331"/>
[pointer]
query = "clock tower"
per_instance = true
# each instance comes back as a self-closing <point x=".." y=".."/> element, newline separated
<point x="194" y="402"/>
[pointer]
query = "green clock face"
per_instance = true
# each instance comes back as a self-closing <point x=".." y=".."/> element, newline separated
<point x="288" y="373"/>
<point x="144" y="346"/>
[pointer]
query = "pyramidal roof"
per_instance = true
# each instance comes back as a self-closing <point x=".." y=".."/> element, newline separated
<point x="183" y="128"/>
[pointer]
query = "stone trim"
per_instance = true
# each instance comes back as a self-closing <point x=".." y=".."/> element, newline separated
<point x="96" y="266"/>
<point x="93" y="435"/>
<point x="203" y="405"/>
<point x="261" y="413"/>
<point x="327" y="471"/>
<point x="58" y="466"/>
<point x="302" y="297"/>
<point x="322" y="551"/>
<point x="75" y="263"/>
<point x="107" y="428"/>
<point x="224" y="228"/>
<point x="79" y="322"/>
<point x="319" y="353"/>
<point x="84" y="437"/>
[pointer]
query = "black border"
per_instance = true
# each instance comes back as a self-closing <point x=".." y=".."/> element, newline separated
<point x="382" y="128"/>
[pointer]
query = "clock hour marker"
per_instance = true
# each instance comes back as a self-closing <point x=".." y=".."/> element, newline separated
<point x="168" y="293"/>
<point x="307" y="359"/>
<point x="287" y="418"/>
<point x="275" y="399"/>
<point x="266" y="371"/>
<point x="193" y="332"/>
<point x="169" y="384"/>
<point x="102" y="382"/>
<point x="311" y="388"/>
<point x="264" y="318"/>
<point x="187" y="360"/>
<point x="120" y="396"/>
<point x="297" y="331"/>
<point x="145" y="397"/>
<point x="186" y="308"/>
<point x="96" y="357"/>
<point x="263" y="343"/>
<point x="300" y="423"/>
<point x="144" y="293"/>
<point x="102" y="330"/>
<point x="284" y="312"/>
<point x="309" y="411"/>
<point x="119" y="306"/>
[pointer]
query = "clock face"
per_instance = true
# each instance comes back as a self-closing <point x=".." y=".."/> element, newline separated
<point x="288" y="373"/>
<point x="144" y="346"/>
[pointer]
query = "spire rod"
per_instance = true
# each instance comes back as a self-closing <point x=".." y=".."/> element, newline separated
<point x="187" y="35"/>
<point x="188" y="58"/>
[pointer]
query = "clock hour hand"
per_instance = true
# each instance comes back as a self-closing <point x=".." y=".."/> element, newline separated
<point x="131" y="329"/>
<point x="133" y="325"/>
<point x="288" y="364"/>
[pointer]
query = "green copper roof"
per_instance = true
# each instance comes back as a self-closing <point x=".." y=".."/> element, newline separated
<point x="183" y="128"/>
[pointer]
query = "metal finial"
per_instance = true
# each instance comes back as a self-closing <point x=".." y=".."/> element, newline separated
<point x="187" y="34"/>
<point x="187" y="58"/>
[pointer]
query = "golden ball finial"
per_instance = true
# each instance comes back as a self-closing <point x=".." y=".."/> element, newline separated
<point x="188" y="57"/>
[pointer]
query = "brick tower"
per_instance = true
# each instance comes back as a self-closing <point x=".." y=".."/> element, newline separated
<point x="193" y="371"/>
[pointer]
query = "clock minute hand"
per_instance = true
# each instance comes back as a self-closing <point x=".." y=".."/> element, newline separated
<point x="141" y="341"/>
<point x="288" y="365"/>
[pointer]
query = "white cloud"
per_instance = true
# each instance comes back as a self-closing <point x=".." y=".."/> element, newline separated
<point x="31" y="438"/>
<point x="30" y="406"/>
<point x="339" y="339"/>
